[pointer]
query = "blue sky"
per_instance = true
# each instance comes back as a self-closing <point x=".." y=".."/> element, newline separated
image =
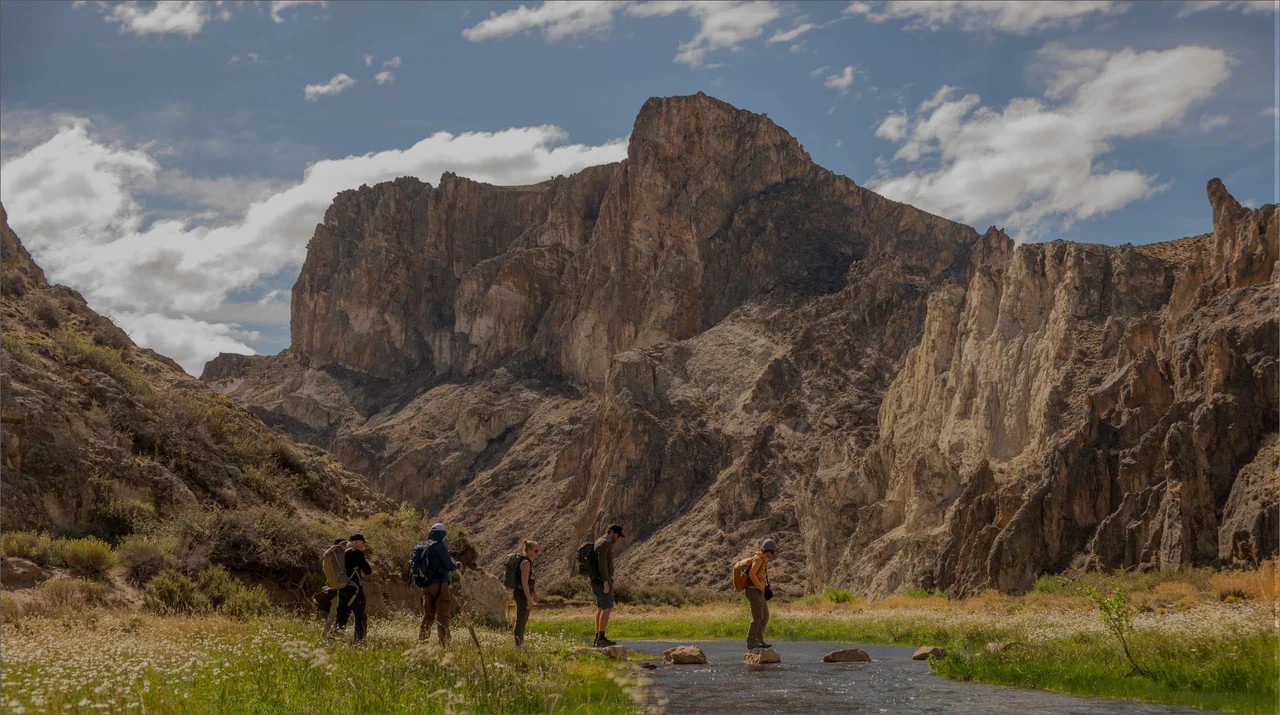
<point x="170" y="161"/>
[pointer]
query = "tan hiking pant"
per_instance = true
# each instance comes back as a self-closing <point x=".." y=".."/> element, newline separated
<point x="759" y="617"/>
<point x="437" y="605"/>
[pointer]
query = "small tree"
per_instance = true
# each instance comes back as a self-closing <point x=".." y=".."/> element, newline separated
<point x="1118" y="619"/>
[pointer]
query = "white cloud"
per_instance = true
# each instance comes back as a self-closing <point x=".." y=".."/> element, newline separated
<point x="1248" y="7"/>
<point x="76" y="201"/>
<point x="840" y="82"/>
<point x="279" y="5"/>
<point x="721" y="25"/>
<point x="368" y="60"/>
<point x="1209" y="122"/>
<point x="234" y="59"/>
<point x="817" y="71"/>
<point x="393" y="63"/>
<point x="893" y="128"/>
<point x="789" y="35"/>
<point x="1036" y="164"/>
<point x="254" y="58"/>
<point x="385" y="77"/>
<point x="337" y="85"/>
<point x="188" y="341"/>
<point x="1015" y="16"/>
<point x="556" y="19"/>
<point x="178" y="17"/>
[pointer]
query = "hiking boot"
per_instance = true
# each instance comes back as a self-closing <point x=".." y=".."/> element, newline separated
<point x="765" y="645"/>
<point x="604" y="642"/>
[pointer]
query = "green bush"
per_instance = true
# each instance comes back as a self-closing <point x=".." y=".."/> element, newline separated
<point x="32" y="546"/>
<point x="246" y="601"/>
<point x="172" y="591"/>
<point x="66" y="594"/>
<point x="259" y="540"/>
<point x="142" y="558"/>
<point x="89" y="557"/>
<point x="839" y="595"/>
<point x="1050" y="583"/>
<point x="217" y="585"/>
<point x="75" y="350"/>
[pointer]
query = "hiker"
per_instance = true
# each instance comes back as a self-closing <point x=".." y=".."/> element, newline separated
<point x="758" y="594"/>
<point x="431" y="565"/>
<point x="333" y="565"/>
<point x="519" y="578"/>
<point x="602" y="584"/>
<point x="351" y="597"/>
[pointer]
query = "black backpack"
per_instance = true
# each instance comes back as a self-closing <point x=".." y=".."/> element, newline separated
<point x="422" y="566"/>
<point x="587" y="561"/>
<point x="511" y="577"/>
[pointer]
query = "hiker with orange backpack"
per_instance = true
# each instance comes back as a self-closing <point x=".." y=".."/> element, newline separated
<point x="333" y="566"/>
<point x="751" y="576"/>
<point x="351" y="598"/>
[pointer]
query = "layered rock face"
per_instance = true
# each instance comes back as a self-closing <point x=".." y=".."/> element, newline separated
<point x="717" y="340"/>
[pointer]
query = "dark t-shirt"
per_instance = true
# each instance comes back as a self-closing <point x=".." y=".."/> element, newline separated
<point x="356" y="564"/>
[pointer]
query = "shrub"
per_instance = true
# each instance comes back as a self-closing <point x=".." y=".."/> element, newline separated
<point x="75" y="350"/>
<point x="246" y="601"/>
<point x="17" y="350"/>
<point x="1258" y="585"/>
<point x="170" y="591"/>
<point x="66" y="594"/>
<point x="31" y="546"/>
<point x="838" y="595"/>
<point x="142" y="558"/>
<point x="258" y="539"/>
<point x="10" y="610"/>
<point x="1118" y="619"/>
<point x="90" y="557"/>
<point x="1174" y="591"/>
<point x="46" y="312"/>
<point x="1050" y="583"/>
<point x="217" y="585"/>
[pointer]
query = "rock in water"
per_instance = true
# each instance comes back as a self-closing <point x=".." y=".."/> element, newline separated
<point x="847" y="655"/>
<point x="684" y="655"/>
<point x="926" y="652"/>
<point x="761" y="656"/>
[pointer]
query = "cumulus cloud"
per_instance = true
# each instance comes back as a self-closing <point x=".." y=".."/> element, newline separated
<point x="1209" y="122"/>
<point x="254" y="58"/>
<point x="1248" y="7"/>
<point x="721" y="25"/>
<point x="1015" y="16"/>
<point x="893" y="128"/>
<point x="76" y="200"/>
<point x="393" y="63"/>
<point x="556" y="18"/>
<point x="816" y="72"/>
<point x="159" y="18"/>
<point x="1037" y="164"/>
<point x="385" y="77"/>
<point x="840" y="82"/>
<point x="789" y="35"/>
<point x="278" y="6"/>
<point x="337" y="85"/>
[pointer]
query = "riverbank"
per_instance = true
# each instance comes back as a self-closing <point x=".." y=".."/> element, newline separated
<point x="1200" y="644"/>
<point x="102" y="661"/>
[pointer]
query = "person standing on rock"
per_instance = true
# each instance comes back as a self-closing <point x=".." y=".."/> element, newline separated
<point x="523" y="593"/>
<point x="351" y="597"/>
<point x="758" y="594"/>
<point x="431" y="565"/>
<point x="602" y="584"/>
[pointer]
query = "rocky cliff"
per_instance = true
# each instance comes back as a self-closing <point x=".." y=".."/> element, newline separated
<point x="716" y="339"/>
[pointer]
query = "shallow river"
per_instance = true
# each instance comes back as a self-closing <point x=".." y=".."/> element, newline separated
<point x="890" y="683"/>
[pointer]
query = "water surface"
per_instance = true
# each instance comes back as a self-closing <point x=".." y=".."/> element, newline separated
<point x="890" y="683"/>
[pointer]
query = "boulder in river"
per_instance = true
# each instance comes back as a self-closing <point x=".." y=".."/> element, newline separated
<point x="761" y="656"/>
<point x="684" y="655"/>
<point x="847" y="655"/>
<point x="925" y="652"/>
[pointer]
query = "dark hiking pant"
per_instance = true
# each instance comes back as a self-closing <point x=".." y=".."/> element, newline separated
<point x="522" y="614"/>
<point x="351" y="600"/>
<point x="759" y="617"/>
<point x="437" y="605"/>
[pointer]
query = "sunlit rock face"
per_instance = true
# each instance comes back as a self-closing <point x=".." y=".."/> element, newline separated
<point x="716" y="340"/>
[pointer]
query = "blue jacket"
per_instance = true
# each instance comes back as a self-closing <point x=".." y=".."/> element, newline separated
<point x="441" y="553"/>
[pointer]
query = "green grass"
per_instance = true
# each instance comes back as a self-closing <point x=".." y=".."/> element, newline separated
<point x="1234" y="673"/>
<point x="282" y="665"/>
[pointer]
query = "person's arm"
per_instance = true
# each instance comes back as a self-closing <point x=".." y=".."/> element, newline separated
<point x="757" y="573"/>
<point x="524" y="581"/>
<point x="442" y="552"/>
<point x="604" y="564"/>
<point x="363" y="565"/>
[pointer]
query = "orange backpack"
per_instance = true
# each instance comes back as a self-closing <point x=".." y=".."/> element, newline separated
<point x="740" y="571"/>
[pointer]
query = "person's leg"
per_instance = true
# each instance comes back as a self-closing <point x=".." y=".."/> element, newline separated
<point x="604" y="619"/>
<point x="362" y="618"/>
<point x="344" y="606"/>
<point x="764" y="618"/>
<point x="428" y="612"/>
<point x="756" y="600"/>
<point x="444" y="609"/>
<point x="522" y="615"/>
<point x="331" y="618"/>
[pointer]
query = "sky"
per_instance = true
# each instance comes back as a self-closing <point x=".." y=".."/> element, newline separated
<point x="170" y="161"/>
